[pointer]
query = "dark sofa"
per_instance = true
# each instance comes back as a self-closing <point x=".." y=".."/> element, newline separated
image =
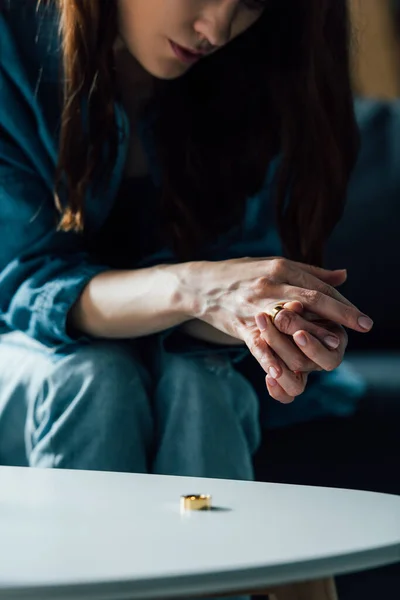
<point x="362" y="452"/>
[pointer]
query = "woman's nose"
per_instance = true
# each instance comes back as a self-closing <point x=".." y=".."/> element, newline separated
<point x="216" y="21"/>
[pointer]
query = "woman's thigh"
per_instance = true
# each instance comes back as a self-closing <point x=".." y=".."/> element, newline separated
<point x="22" y="367"/>
<point x="77" y="406"/>
<point x="94" y="406"/>
<point x="207" y="415"/>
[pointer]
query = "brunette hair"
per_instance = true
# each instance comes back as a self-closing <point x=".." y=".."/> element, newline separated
<point x="282" y="89"/>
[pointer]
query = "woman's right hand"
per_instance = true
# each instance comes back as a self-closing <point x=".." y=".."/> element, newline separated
<point x="230" y="294"/>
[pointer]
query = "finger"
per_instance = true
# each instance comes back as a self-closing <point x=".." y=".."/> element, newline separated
<point x="288" y="322"/>
<point x="298" y="307"/>
<point x="331" y="309"/>
<point x="334" y="279"/>
<point x="337" y="330"/>
<point x="293" y="384"/>
<point x="337" y="278"/>
<point x="263" y="354"/>
<point x="327" y="359"/>
<point x="295" y="306"/>
<point x="315" y="284"/>
<point x="283" y="346"/>
<point x="310" y="282"/>
<point x="324" y="274"/>
<point x="277" y="392"/>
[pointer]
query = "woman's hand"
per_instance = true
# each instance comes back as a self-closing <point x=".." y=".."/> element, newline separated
<point x="229" y="295"/>
<point x="324" y="348"/>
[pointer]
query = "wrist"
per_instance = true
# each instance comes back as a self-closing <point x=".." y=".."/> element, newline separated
<point x="188" y="285"/>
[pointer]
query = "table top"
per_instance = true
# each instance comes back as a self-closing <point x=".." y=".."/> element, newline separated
<point x="103" y="536"/>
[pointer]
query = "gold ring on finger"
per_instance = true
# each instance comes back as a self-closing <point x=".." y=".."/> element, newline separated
<point x="274" y="312"/>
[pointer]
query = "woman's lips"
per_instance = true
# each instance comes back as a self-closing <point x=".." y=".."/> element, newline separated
<point x="184" y="55"/>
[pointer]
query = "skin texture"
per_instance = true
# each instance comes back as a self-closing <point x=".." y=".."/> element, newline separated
<point x="314" y="309"/>
<point x="144" y="52"/>
<point x="147" y="27"/>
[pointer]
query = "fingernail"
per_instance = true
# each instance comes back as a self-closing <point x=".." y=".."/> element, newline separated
<point x="300" y="339"/>
<point x="273" y="372"/>
<point x="262" y="323"/>
<point x="332" y="342"/>
<point x="366" y="323"/>
<point x="272" y="382"/>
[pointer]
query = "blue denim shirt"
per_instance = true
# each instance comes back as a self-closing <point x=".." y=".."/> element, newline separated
<point x="42" y="270"/>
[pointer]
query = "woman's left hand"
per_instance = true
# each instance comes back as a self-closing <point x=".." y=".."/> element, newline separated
<point x="311" y="349"/>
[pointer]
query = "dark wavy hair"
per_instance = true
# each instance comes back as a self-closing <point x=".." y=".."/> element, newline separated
<point x="281" y="89"/>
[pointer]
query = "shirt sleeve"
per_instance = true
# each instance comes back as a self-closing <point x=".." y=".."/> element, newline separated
<point x="42" y="271"/>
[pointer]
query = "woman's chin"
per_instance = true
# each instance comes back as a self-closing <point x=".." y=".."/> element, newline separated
<point x="168" y="69"/>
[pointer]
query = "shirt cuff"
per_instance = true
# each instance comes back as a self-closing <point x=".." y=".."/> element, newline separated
<point x="52" y="306"/>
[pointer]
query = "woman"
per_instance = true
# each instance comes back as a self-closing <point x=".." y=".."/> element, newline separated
<point x="130" y="212"/>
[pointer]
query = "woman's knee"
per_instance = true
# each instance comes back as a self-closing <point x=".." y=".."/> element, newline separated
<point x="97" y="397"/>
<point x="107" y="371"/>
<point x="104" y="375"/>
<point x="208" y="388"/>
<point x="213" y="376"/>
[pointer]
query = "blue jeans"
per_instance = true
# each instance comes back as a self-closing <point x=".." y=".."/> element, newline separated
<point x="99" y="406"/>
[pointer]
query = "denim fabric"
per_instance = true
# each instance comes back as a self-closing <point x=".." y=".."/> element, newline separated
<point x="99" y="407"/>
<point x="110" y="406"/>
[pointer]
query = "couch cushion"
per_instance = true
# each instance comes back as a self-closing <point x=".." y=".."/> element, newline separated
<point x="380" y="371"/>
<point x="367" y="240"/>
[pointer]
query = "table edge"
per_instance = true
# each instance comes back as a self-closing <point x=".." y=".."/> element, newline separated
<point x="236" y="581"/>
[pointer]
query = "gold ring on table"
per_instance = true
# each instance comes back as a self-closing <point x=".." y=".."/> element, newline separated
<point x="274" y="311"/>
<point x="195" y="502"/>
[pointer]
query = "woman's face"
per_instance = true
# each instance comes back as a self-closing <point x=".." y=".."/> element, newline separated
<point x="167" y="37"/>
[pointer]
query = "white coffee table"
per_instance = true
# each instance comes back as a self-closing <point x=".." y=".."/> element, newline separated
<point x="105" y="536"/>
